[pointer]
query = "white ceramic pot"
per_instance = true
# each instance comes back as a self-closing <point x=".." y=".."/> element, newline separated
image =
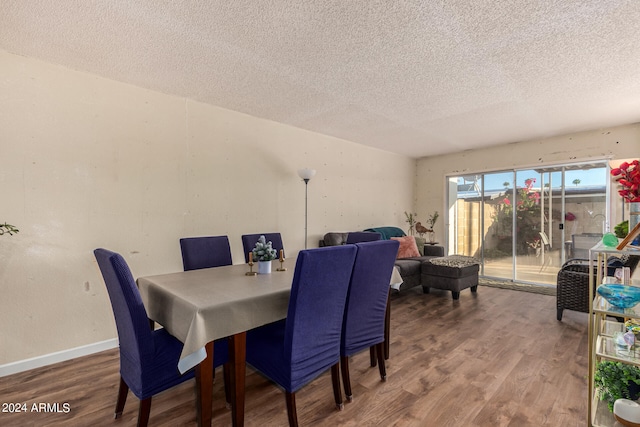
<point x="627" y="412"/>
<point x="264" y="267"/>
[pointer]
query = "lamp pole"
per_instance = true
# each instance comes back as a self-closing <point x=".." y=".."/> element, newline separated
<point x="306" y="187"/>
<point x="306" y="174"/>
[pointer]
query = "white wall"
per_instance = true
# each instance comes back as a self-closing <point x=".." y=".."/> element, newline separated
<point x="612" y="143"/>
<point x="89" y="162"/>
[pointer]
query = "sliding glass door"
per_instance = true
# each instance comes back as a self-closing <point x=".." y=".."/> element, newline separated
<point x="524" y="223"/>
<point x="498" y="203"/>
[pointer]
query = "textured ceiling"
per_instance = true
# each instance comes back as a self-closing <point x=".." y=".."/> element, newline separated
<point x="418" y="78"/>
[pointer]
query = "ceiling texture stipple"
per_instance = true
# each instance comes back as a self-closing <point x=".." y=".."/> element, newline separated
<point x="418" y="78"/>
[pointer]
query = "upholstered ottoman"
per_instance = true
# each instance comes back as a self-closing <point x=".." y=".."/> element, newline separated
<point x="451" y="273"/>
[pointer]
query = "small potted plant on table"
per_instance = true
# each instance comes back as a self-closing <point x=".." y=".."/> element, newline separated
<point x="264" y="254"/>
<point x="432" y="222"/>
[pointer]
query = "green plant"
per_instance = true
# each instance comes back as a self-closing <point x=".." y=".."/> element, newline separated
<point x="263" y="250"/>
<point x="411" y="220"/>
<point x="527" y="211"/>
<point x="432" y="219"/>
<point x="613" y="379"/>
<point x="495" y="253"/>
<point x="8" y="228"/>
<point x="621" y="230"/>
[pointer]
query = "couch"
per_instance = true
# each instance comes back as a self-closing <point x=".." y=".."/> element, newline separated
<point x="410" y="268"/>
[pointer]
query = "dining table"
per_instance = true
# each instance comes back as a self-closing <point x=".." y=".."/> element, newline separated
<point x="201" y="306"/>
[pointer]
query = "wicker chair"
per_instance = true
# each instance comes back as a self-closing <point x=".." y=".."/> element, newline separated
<point x="573" y="282"/>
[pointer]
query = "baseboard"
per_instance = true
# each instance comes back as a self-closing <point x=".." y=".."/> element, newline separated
<point x="59" y="356"/>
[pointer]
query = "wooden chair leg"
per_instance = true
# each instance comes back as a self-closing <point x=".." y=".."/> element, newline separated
<point x="291" y="408"/>
<point x="383" y="369"/>
<point x="143" y="413"/>
<point x="346" y="381"/>
<point x="226" y="373"/>
<point x="123" y="390"/>
<point x="372" y="356"/>
<point x="337" y="392"/>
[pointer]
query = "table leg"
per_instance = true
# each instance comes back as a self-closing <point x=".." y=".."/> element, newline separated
<point x="387" y="326"/>
<point x="237" y="358"/>
<point x="204" y="388"/>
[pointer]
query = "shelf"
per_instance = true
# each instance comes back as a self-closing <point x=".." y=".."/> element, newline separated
<point x="606" y="347"/>
<point x="600" y="414"/>
<point x="601" y="248"/>
<point x="600" y="305"/>
<point x="609" y="328"/>
<point x="602" y="345"/>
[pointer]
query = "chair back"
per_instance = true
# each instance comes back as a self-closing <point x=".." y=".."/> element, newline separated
<point x="625" y="260"/>
<point x="249" y="242"/>
<point x="632" y="262"/>
<point x="545" y="240"/>
<point x="316" y="310"/>
<point x="134" y="334"/>
<point x="363" y="236"/>
<point x="364" y="317"/>
<point x="205" y="252"/>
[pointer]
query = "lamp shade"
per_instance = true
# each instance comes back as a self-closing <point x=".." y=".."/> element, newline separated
<point x="306" y="173"/>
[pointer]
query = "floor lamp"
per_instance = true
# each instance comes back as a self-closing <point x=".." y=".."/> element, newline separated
<point x="306" y="174"/>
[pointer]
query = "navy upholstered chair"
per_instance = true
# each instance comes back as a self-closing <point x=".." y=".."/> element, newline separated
<point x="205" y="252"/>
<point x="209" y="252"/>
<point x="148" y="358"/>
<point x="294" y="351"/>
<point x="362" y="236"/>
<point x="364" y="318"/>
<point x="249" y="242"/>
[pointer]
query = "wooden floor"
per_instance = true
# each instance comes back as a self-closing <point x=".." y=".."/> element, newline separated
<point x="495" y="358"/>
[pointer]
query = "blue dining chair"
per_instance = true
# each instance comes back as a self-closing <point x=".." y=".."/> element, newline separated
<point x="249" y="242"/>
<point x="362" y="236"/>
<point x="205" y="252"/>
<point x="294" y="351"/>
<point x="148" y="358"/>
<point x="364" y="316"/>
<point x="209" y="252"/>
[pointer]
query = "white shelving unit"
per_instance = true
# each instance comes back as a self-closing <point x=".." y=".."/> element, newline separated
<point x="601" y="331"/>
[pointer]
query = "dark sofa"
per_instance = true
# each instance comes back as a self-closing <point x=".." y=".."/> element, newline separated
<point x="410" y="268"/>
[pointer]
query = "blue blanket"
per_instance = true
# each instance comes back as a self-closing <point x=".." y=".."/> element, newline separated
<point x="388" y="232"/>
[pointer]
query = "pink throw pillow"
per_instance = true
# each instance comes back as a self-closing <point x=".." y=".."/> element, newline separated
<point x="408" y="247"/>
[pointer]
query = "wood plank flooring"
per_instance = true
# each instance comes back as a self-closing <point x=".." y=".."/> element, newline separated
<point x="495" y="358"/>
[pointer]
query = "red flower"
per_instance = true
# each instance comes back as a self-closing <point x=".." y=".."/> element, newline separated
<point x="629" y="178"/>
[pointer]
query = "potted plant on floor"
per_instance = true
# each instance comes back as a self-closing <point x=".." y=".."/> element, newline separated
<point x="616" y="380"/>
